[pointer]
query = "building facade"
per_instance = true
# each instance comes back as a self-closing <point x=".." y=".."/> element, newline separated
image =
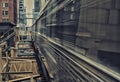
<point x="37" y="6"/>
<point x="36" y="9"/>
<point x="42" y="3"/>
<point x="22" y="12"/>
<point x="8" y="11"/>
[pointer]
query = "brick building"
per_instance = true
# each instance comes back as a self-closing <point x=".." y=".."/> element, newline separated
<point x="8" y="11"/>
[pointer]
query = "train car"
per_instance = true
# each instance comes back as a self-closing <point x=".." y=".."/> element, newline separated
<point x="88" y="27"/>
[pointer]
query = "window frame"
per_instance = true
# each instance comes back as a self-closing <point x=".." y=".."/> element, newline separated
<point x="5" y="4"/>
<point x="5" y="13"/>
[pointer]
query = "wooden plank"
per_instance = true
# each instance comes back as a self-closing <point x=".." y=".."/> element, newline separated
<point x="20" y="67"/>
<point x="25" y="78"/>
<point x="16" y="73"/>
<point x="15" y="67"/>
<point x="26" y="61"/>
<point x="4" y="67"/>
<point x="19" y="57"/>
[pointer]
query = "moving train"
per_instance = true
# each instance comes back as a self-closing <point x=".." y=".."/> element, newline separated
<point x="88" y="27"/>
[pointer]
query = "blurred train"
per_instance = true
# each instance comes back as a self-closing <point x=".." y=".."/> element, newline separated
<point x="89" y="27"/>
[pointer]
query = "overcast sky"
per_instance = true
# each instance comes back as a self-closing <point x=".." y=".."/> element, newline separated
<point x="29" y="4"/>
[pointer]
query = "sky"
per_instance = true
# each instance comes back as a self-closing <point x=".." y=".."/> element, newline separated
<point x="29" y="4"/>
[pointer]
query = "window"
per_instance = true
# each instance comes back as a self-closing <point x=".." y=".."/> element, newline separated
<point x="65" y="8"/>
<point x="72" y="9"/>
<point x="4" y="12"/>
<point x="21" y="5"/>
<point x="24" y="37"/>
<point x="5" y="20"/>
<point x="5" y="4"/>
<point x="21" y="10"/>
<point x="71" y="16"/>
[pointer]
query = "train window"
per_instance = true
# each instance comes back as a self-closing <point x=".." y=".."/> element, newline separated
<point x="73" y="1"/>
<point x="71" y="16"/>
<point x="72" y="8"/>
<point x="65" y="9"/>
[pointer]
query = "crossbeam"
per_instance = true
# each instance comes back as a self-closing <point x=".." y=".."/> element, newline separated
<point x="16" y="73"/>
<point x="30" y="57"/>
<point x="25" y="61"/>
<point x="25" y="78"/>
